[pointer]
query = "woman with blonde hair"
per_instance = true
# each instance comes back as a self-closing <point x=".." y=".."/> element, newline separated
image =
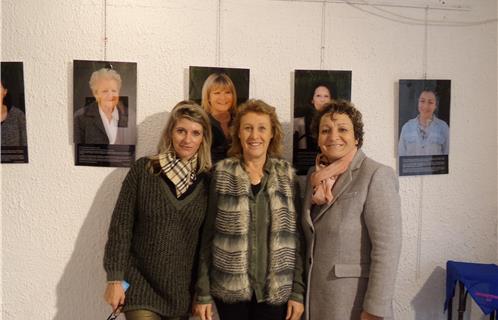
<point x="152" y="239"/>
<point x="219" y="100"/>
<point x="250" y="259"/>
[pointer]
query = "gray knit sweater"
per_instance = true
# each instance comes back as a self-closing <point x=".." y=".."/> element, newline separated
<point x="152" y="242"/>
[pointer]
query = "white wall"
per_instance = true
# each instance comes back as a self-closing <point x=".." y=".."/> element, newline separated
<point x="55" y="215"/>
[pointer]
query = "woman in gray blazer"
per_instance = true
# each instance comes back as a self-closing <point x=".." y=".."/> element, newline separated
<point x="351" y="222"/>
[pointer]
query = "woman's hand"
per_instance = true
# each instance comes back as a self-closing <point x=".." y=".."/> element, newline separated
<point x="294" y="310"/>
<point x="204" y="311"/>
<point x="368" y="316"/>
<point x="114" y="294"/>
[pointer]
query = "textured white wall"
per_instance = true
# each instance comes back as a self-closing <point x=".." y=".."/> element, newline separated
<point x="55" y="215"/>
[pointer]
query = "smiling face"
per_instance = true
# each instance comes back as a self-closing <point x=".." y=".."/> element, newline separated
<point x="321" y="96"/>
<point x="427" y="104"/>
<point x="107" y="93"/>
<point x="336" y="135"/>
<point x="220" y="99"/>
<point x="187" y="138"/>
<point x="255" y="134"/>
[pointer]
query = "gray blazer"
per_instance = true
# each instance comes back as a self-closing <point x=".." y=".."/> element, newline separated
<point x="353" y="244"/>
<point x="89" y="129"/>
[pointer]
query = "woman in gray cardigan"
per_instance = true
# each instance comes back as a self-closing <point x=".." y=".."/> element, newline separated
<point x="352" y="224"/>
<point x="156" y="222"/>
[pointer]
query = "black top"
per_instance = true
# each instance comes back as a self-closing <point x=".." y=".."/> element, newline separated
<point x="220" y="144"/>
<point x="190" y="189"/>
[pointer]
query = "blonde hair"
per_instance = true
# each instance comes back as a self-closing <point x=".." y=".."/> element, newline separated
<point x="193" y="112"/>
<point x="275" y="148"/>
<point x="104" y="73"/>
<point x="217" y="80"/>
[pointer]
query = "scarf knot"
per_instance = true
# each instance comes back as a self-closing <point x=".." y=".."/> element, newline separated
<point x="181" y="173"/>
<point x="325" y="176"/>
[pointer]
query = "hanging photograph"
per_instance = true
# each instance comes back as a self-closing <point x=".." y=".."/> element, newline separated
<point x="219" y="91"/>
<point x="105" y="95"/>
<point x="13" y="127"/>
<point x="424" y="119"/>
<point x="312" y="90"/>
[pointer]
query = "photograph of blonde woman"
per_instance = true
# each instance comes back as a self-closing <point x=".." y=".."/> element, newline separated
<point x="219" y="91"/>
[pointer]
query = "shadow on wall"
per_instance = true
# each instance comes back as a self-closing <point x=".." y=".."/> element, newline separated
<point x="81" y="288"/>
<point x="429" y="301"/>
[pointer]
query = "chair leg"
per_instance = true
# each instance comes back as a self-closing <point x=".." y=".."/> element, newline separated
<point x="450" y="308"/>
<point x="462" y="300"/>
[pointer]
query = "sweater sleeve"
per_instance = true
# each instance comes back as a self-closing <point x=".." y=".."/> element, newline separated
<point x="205" y="255"/>
<point x="383" y="221"/>
<point x="298" y="288"/>
<point x="117" y="249"/>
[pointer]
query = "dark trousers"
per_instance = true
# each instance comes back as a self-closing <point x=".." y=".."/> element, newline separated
<point x="250" y="310"/>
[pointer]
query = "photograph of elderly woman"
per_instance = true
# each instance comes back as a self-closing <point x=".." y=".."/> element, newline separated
<point x="14" y="141"/>
<point x="313" y="89"/>
<point x="219" y="91"/>
<point x="105" y="113"/>
<point x="424" y="118"/>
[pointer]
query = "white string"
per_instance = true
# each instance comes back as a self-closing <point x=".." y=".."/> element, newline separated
<point x="105" y="30"/>
<point x="414" y="21"/>
<point x="322" y="36"/>
<point x="426" y="42"/>
<point x="218" y="36"/>
<point x="361" y="5"/>
<point x="420" y="221"/>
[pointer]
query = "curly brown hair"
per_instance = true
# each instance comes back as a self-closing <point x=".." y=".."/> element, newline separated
<point x="341" y="107"/>
<point x="275" y="148"/>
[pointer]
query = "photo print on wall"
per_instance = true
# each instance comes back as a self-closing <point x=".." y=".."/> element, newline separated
<point x="219" y="91"/>
<point x="312" y="90"/>
<point x="14" y="138"/>
<point x="424" y="120"/>
<point x="105" y="95"/>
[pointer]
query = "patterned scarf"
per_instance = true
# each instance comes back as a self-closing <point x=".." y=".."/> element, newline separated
<point x="325" y="176"/>
<point x="181" y="173"/>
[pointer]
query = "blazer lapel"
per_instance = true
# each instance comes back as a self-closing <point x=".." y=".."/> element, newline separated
<point x="93" y="112"/>
<point x="343" y="182"/>
<point x="307" y="201"/>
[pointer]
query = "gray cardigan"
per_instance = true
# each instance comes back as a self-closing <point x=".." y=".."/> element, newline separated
<point x="353" y="244"/>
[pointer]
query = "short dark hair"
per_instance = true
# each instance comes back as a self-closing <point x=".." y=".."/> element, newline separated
<point x="340" y="107"/>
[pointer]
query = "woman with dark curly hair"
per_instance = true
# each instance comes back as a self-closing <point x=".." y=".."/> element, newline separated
<point x="352" y="223"/>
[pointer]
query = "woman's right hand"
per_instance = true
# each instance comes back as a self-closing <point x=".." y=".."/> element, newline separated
<point x="204" y="311"/>
<point x="114" y="294"/>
